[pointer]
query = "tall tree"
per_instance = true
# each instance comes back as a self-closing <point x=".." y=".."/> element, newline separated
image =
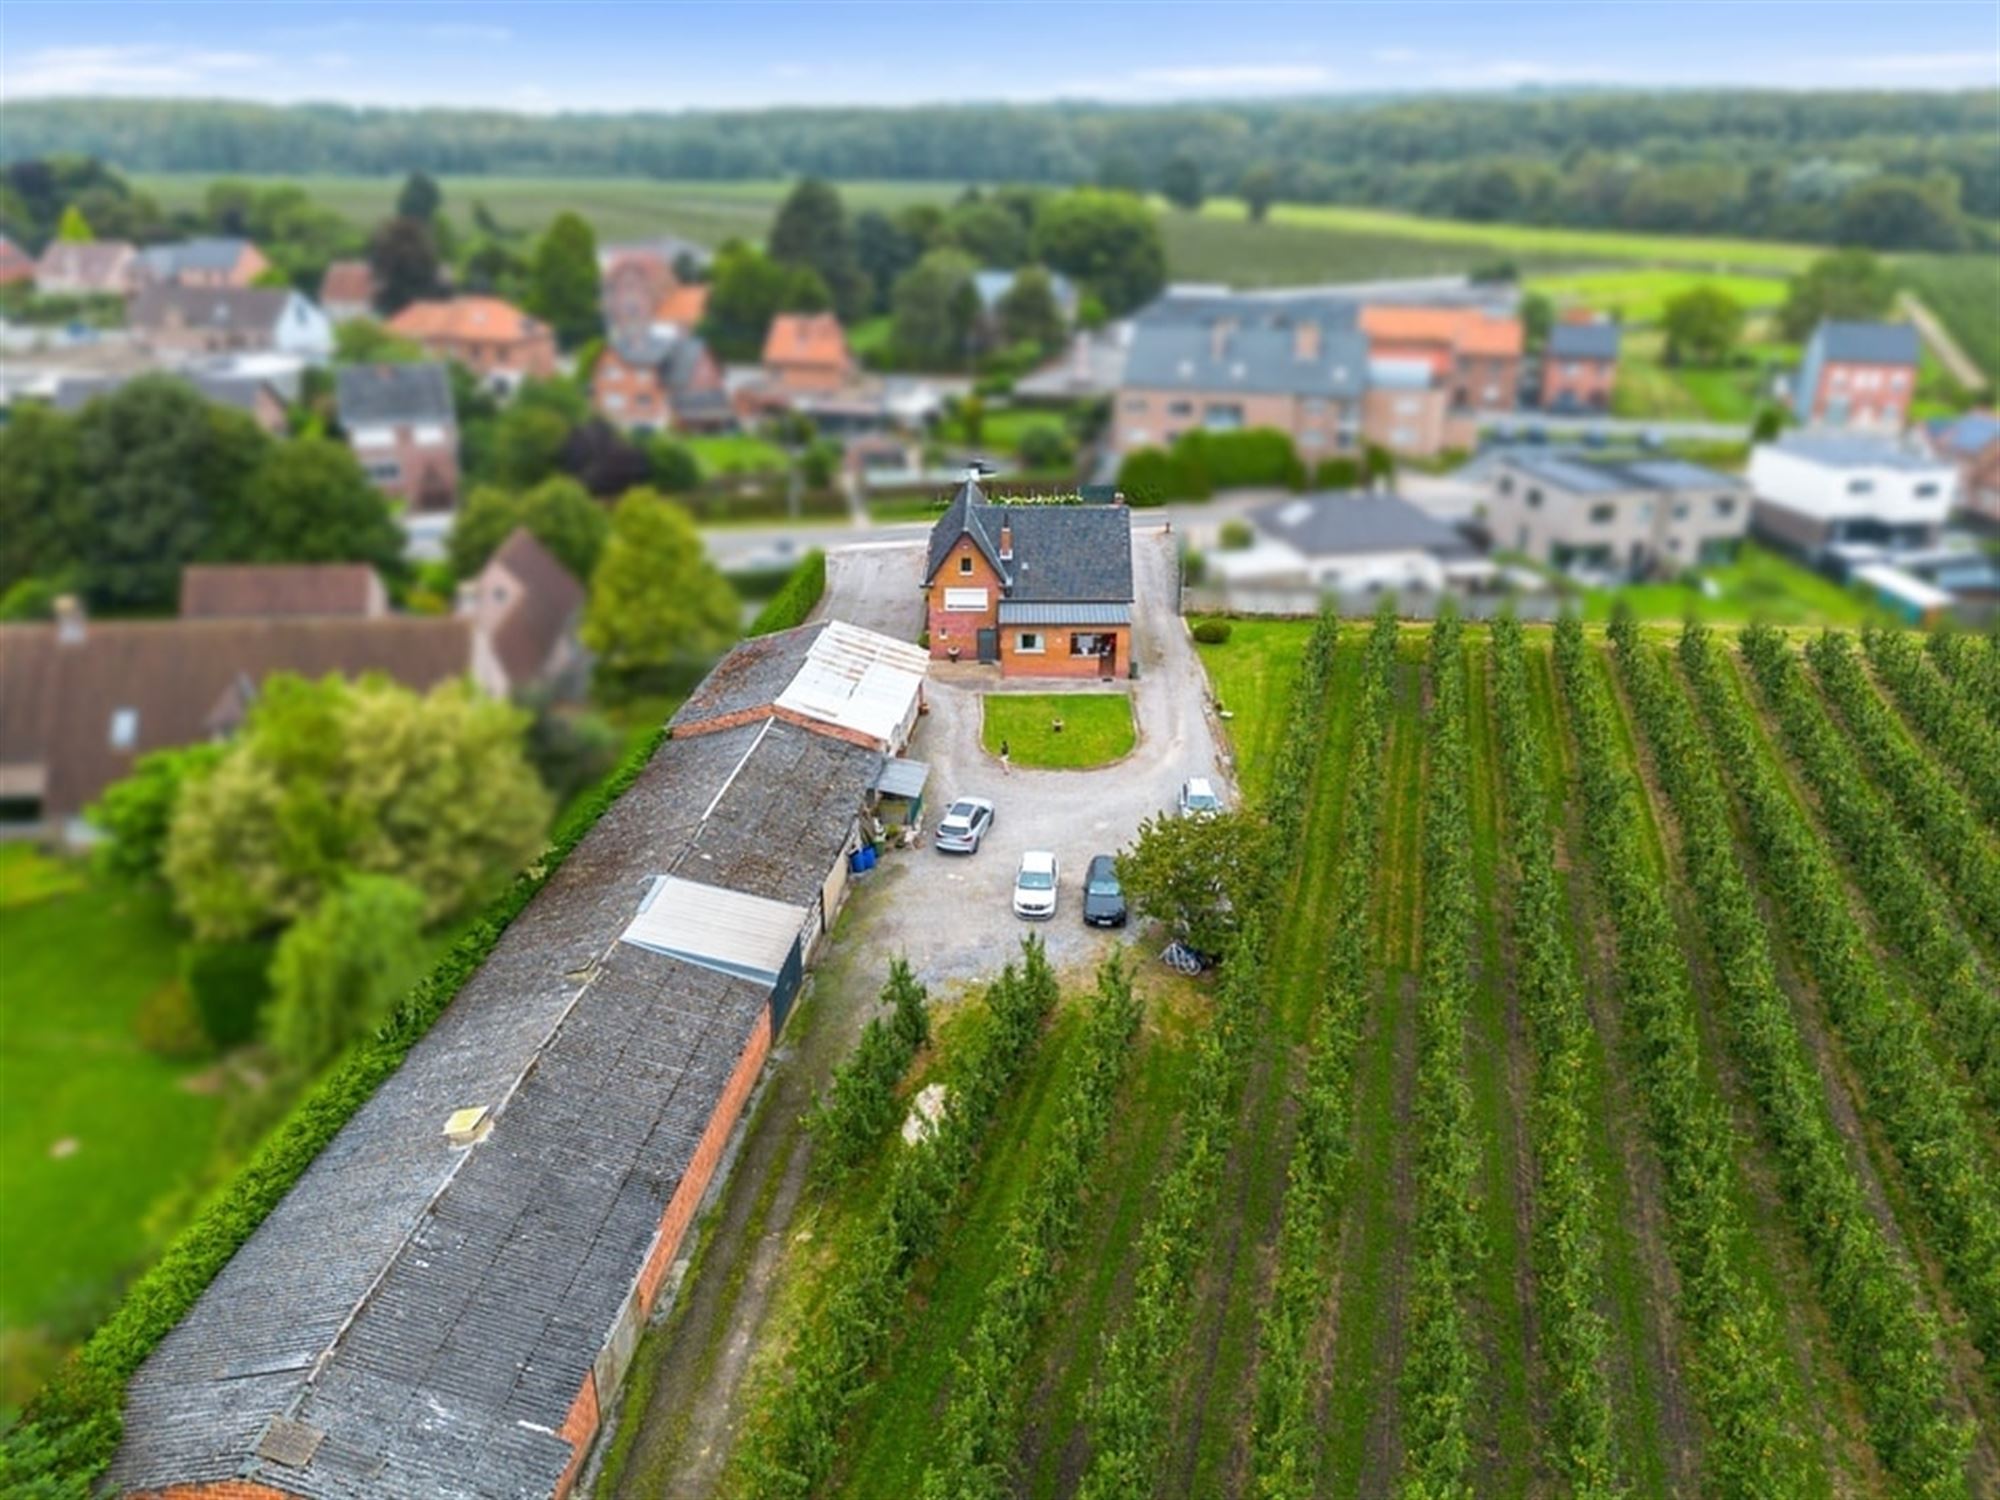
<point x="75" y="228"/>
<point x="1180" y="180"/>
<point x="559" y="513"/>
<point x="883" y="250"/>
<point x="403" y="256"/>
<point x="1028" y="311"/>
<point x="1850" y="285"/>
<point x="936" y="307"/>
<point x="1702" y="324"/>
<point x="41" y="503"/>
<point x="811" y="230"/>
<point x="1258" y="188"/>
<point x="329" y="779"/>
<point x="656" y="601"/>
<point x="340" y="970"/>
<point x="1108" y="242"/>
<point x="1902" y="213"/>
<point x="988" y="232"/>
<point x="746" y="290"/>
<point x="603" y="460"/>
<point x="563" y="281"/>
<point x="420" y="197"/>
<point x="308" y="501"/>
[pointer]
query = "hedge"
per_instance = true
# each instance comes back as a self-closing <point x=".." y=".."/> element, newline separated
<point x="228" y="984"/>
<point x="69" y="1432"/>
<point x="792" y="603"/>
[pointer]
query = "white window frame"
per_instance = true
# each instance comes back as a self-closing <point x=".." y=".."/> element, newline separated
<point x="965" y="601"/>
<point x="124" y="728"/>
<point x="1022" y="646"/>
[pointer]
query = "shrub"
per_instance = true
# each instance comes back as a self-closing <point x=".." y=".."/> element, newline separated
<point x="1337" y="474"/>
<point x="675" y="468"/>
<point x="340" y="969"/>
<point x="1044" y="445"/>
<point x="1212" y="632"/>
<point x="167" y="1024"/>
<point x="1237" y="536"/>
<point x="796" y="599"/>
<point x="1149" y="477"/>
<point x="228" y="984"/>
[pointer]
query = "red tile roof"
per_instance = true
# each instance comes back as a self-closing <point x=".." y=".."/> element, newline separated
<point x="1464" y="330"/>
<point x="684" y="306"/>
<point x="268" y="591"/>
<point x="486" y="319"/>
<point x="348" y="281"/>
<point x="805" y="339"/>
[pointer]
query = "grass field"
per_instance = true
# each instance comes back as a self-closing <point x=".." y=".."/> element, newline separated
<point x="1641" y="296"/>
<point x="735" y="453"/>
<point x="1664" y="982"/>
<point x="93" y="1129"/>
<point x="1964" y="291"/>
<point x="1758" y="585"/>
<point x="1096" y="728"/>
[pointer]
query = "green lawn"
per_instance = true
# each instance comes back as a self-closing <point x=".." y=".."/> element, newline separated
<point x="1252" y="674"/>
<point x="1641" y="295"/>
<point x="93" y="1130"/>
<point x="1758" y="585"/>
<point x="1096" y="728"/>
<point x="1000" y="430"/>
<point x="736" y="453"/>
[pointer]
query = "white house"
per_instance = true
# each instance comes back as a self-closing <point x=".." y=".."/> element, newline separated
<point x="1352" y="546"/>
<point x="1825" y="496"/>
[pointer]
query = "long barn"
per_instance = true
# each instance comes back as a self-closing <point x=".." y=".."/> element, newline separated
<point x="448" y="1298"/>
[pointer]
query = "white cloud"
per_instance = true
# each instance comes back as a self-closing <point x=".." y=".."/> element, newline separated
<point x="1238" y="75"/>
<point x="112" y="70"/>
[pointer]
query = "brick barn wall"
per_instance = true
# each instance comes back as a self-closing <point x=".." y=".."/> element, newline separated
<point x="221" y="1489"/>
<point x="578" y="1428"/>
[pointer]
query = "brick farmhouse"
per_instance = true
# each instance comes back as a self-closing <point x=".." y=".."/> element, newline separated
<point x="1041" y="590"/>
<point x="493" y="339"/>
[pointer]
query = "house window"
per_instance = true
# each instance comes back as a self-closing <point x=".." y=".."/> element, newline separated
<point x="1180" y="408"/>
<point x="124" y="728"/>
<point x="1680" y="510"/>
<point x="1506" y="484"/>
<point x="965" y="601"/>
<point x="965" y="564"/>
<point x="1222" y="418"/>
<point x="1091" y="643"/>
<point x="1135" y="403"/>
<point x="1725" y="506"/>
<point x="1926" y="492"/>
<point x="1534" y="499"/>
<point x="1603" y="515"/>
<point x="1406" y="406"/>
<point x="1860" y="486"/>
<point x="1029" y="642"/>
<point x="385" y="473"/>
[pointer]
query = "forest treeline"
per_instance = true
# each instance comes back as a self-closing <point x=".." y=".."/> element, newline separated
<point x="1894" y="170"/>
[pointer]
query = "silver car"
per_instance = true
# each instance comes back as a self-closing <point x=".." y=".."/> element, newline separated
<point x="965" y="825"/>
<point x="1198" y="798"/>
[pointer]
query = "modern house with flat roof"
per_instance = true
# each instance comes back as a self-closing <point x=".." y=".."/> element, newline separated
<point x="1352" y="545"/>
<point x="1614" y="517"/>
<point x="1830" y="497"/>
<point x="1971" y="444"/>
<point x="1040" y="589"/>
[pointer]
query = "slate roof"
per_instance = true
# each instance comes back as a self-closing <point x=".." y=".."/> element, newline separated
<point x="211" y="253"/>
<point x="1869" y="343"/>
<point x="232" y="307"/>
<point x="394" y="393"/>
<point x="433" y="1310"/>
<point x="1583" y="341"/>
<point x="264" y="591"/>
<point x="74" y="392"/>
<point x="1175" y="346"/>
<point x="1336" y="525"/>
<point x="1586" y="473"/>
<point x="541" y="614"/>
<point x="184" y="680"/>
<point x="1965" y="436"/>
<point x="1061" y="552"/>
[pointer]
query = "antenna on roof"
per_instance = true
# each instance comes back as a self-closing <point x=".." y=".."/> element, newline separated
<point x="977" y="469"/>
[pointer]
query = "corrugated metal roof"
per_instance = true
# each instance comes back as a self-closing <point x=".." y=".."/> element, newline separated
<point x="728" y="931"/>
<point x="902" y="778"/>
<point x="1026" y="612"/>
<point x="857" y="679"/>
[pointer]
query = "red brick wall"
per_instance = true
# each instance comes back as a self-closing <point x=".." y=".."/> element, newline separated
<point x="221" y="1489"/>
<point x="752" y="715"/>
<point x="701" y="1167"/>
<point x="1589" y="387"/>
<point x="578" y="1428"/>
<point x="639" y="386"/>
<point x="1883" y="404"/>
<point x="1055" y="660"/>
<point x="950" y="628"/>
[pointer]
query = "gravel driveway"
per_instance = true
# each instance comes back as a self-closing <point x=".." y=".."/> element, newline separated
<point x="951" y="914"/>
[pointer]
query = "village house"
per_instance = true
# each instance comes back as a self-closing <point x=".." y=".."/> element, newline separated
<point x="1972" y="444"/>
<point x="447" y="1302"/>
<point x="806" y="354"/>
<point x="656" y="384"/>
<point x="184" y="320"/>
<point x="1352" y="547"/>
<point x="401" y="424"/>
<point x="680" y="312"/>
<point x="92" y="268"/>
<point x="637" y="279"/>
<point x="1580" y="366"/>
<point x="1224" y="363"/>
<point x="1859" y="375"/>
<point x="347" y="291"/>
<point x="493" y="339"/>
<point x="15" y="264"/>
<point x="1614" y="518"/>
<point x="210" y="262"/>
<point x="1472" y="354"/>
<point x="1043" y="590"/>
<point x="1833" y="499"/>
<point x="525" y="608"/>
<point x="257" y="398"/>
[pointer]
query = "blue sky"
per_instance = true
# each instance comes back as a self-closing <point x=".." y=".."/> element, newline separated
<point x="738" y="53"/>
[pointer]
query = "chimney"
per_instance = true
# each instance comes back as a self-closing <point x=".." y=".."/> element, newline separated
<point x="69" y="620"/>
<point x="1305" y="340"/>
<point x="1006" y="540"/>
<point x="1218" y="337"/>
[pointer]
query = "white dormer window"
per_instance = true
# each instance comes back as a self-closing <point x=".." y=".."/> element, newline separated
<point x="124" y="728"/>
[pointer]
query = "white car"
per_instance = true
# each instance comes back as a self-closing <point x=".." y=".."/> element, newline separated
<point x="1035" y="886"/>
<point x="1198" y="799"/>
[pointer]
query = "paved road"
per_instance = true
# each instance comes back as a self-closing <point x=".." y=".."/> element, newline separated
<point x="950" y="913"/>
<point x="877" y="585"/>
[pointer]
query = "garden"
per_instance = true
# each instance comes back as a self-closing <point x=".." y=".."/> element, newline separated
<point x="1058" y="731"/>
